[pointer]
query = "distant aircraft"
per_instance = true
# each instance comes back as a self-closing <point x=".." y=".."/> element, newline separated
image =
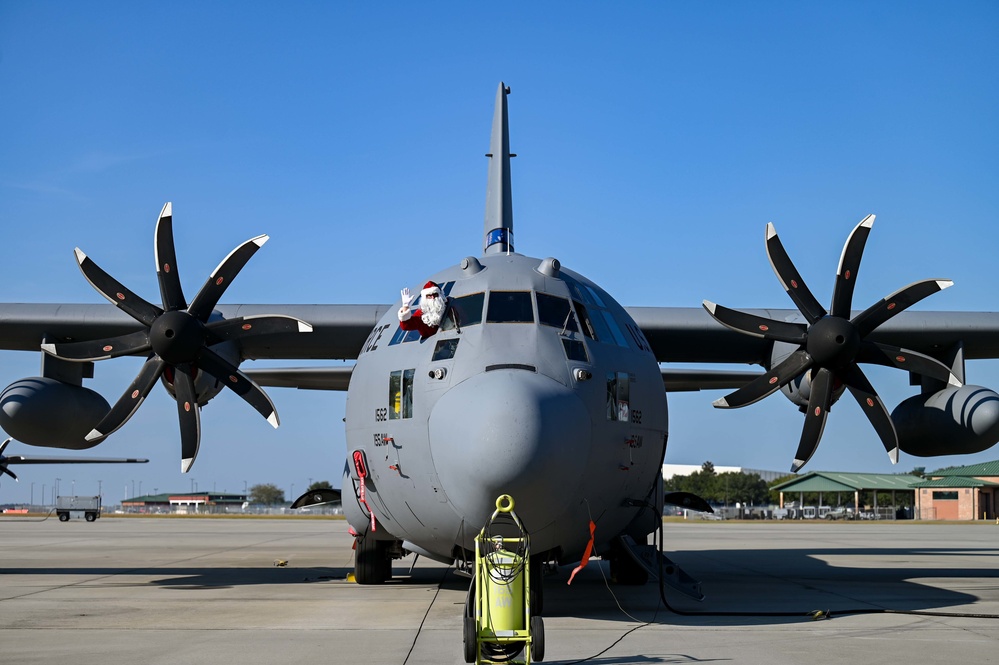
<point x="6" y="461"/>
<point x="535" y="383"/>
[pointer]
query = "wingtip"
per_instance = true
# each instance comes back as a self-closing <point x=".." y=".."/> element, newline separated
<point x="868" y="221"/>
<point x="893" y="455"/>
<point x="186" y="464"/>
<point x="304" y="327"/>
<point x="49" y="349"/>
<point x="94" y="434"/>
<point x="796" y="465"/>
<point x="273" y="419"/>
<point x="80" y="256"/>
<point x="954" y="381"/>
<point x="167" y="210"/>
<point x="710" y="306"/>
<point x="945" y="283"/>
<point x="260" y="240"/>
<point x="771" y="230"/>
<point x="720" y="403"/>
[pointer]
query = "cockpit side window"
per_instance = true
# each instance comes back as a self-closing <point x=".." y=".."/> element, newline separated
<point x="585" y="321"/>
<point x="556" y="312"/>
<point x="619" y="396"/>
<point x="401" y="394"/>
<point x="466" y="309"/>
<point x="510" y="307"/>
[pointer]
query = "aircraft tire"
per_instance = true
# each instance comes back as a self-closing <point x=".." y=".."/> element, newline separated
<point x="537" y="639"/>
<point x="372" y="564"/>
<point x="537" y="588"/>
<point x="469" y="638"/>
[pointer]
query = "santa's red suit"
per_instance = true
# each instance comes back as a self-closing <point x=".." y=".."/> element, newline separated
<point x="427" y="318"/>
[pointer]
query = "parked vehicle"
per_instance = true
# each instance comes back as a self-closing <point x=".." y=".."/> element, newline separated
<point x="78" y="507"/>
<point x="840" y="514"/>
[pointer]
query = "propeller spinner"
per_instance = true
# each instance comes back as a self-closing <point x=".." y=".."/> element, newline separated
<point x="178" y="338"/>
<point x="831" y="345"/>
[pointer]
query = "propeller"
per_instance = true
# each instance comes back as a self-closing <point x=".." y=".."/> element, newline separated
<point x="4" y="461"/>
<point x="831" y="344"/>
<point x="21" y="459"/>
<point x="179" y="339"/>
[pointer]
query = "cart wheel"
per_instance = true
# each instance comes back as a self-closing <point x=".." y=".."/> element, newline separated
<point x="537" y="639"/>
<point x="469" y="636"/>
<point x="63" y="517"/>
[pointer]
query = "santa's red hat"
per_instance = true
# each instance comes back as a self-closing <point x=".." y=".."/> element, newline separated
<point x="429" y="288"/>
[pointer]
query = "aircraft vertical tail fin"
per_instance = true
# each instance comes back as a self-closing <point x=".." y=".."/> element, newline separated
<point x="499" y="200"/>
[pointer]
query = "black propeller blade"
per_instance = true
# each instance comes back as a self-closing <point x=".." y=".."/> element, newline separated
<point x="832" y="344"/>
<point x="4" y="461"/>
<point x="178" y="338"/>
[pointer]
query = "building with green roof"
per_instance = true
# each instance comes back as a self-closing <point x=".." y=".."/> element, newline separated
<point x="900" y="486"/>
<point x="959" y="493"/>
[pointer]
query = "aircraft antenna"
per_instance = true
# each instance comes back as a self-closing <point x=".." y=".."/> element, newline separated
<point x="499" y="200"/>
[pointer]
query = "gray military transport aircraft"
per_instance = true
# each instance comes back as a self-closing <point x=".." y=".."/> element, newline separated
<point x="536" y="383"/>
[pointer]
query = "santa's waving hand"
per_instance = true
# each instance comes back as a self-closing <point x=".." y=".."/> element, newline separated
<point x="428" y="315"/>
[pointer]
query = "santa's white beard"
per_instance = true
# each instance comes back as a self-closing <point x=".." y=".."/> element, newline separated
<point x="432" y="311"/>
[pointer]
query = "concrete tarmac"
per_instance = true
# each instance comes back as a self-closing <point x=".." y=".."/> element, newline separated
<point x="170" y="591"/>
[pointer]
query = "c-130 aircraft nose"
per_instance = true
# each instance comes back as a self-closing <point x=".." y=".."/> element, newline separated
<point x="510" y="431"/>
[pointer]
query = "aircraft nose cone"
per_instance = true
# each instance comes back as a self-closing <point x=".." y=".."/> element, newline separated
<point x="510" y="432"/>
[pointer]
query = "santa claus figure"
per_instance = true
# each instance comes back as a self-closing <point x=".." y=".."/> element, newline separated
<point x="427" y="318"/>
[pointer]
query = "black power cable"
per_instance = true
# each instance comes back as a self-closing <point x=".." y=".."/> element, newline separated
<point x="813" y="614"/>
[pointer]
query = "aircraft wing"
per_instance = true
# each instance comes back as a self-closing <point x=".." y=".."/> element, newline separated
<point x="676" y="335"/>
<point x="338" y="331"/>
<point x="690" y="335"/>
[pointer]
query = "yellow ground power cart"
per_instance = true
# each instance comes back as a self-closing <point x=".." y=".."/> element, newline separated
<point x="498" y="626"/>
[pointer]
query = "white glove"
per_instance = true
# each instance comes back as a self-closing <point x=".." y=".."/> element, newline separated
<point x="407" y="298"/>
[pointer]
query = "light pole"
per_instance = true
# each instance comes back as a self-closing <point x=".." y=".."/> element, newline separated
<point x="292" y="497"/>
<point x="244" y="487"/>
<point x="57" y="487"/>
<point x="192" y="485"/>
<point x="133" y="488"/>
<point x="100" y="491"/>
<point x="140" y="488"/>
<point x="33" y="494"/>
<point x="43" y="492"/>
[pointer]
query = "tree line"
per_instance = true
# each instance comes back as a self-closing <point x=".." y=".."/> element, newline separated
<point x="269" y="494"/>
<point x="726" y="488"/>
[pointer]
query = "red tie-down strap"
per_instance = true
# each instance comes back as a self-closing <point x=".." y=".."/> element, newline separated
<point x="586" y="553"/>
<point x="362" y="472"/>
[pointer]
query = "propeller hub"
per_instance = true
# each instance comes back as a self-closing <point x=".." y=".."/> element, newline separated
<point x="833" y="342"/>
<point x="177" y="337"/>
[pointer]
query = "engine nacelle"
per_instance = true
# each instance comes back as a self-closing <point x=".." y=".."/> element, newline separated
<point x="954" y="421"/>
<point x="206" y="386"/>
<point x="45" y="412"/>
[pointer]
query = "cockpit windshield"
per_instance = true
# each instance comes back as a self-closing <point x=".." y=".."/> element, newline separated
<point x="510" y="307"/>
<point x="556" y="312"/>
<point x="466" y="311"/>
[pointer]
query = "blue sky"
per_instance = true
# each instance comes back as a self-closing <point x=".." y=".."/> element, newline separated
<point x="655" y="142"/>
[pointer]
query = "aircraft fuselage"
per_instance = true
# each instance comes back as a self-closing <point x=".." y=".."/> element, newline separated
<point x="520" y="392"/>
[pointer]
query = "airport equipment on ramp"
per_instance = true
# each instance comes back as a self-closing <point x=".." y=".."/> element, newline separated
<point x="498" y="625"/>
<point x="78" y="507"/>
